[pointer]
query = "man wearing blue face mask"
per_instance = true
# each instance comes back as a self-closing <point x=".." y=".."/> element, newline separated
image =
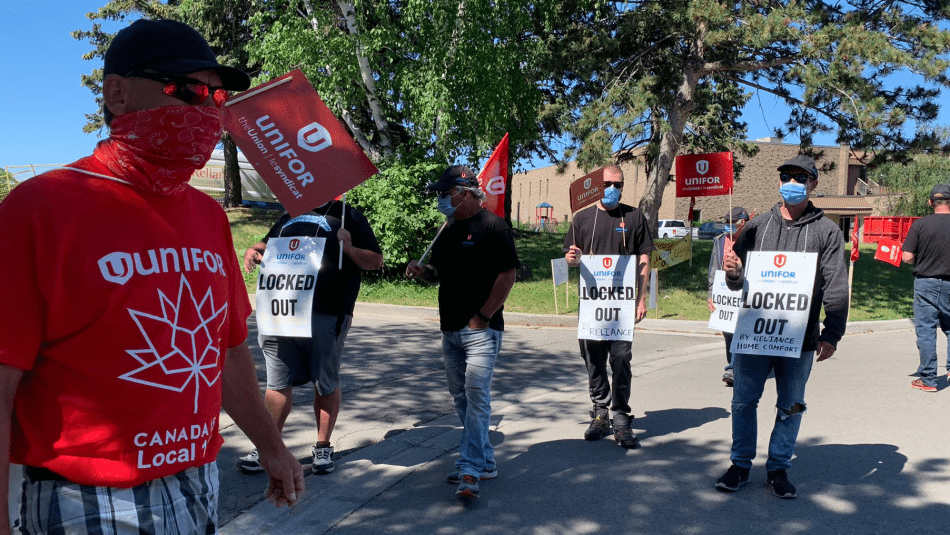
<point x="611" y="228"/>
<point x="794" y="225"/>
<point x="474" y="261"/>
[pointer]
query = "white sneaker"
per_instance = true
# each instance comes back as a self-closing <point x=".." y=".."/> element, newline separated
<point x="323" y="459"/>
<point x="250" y="463"/>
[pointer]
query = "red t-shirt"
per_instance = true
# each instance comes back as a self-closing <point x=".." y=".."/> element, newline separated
<point x="119" y="304"/>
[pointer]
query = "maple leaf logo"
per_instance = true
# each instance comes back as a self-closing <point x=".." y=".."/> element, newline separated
<point x="182" y="342"/>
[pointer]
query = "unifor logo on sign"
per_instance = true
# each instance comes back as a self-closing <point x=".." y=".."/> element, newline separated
<point x="294" y="244"/>
<point x="702" y="167"/>
<point x="587" y="184"/>
<point x="608" y="262"/>
<point x="314" y="137"/>
<point x="496" y="186"/>
<point x="780" y="260"/>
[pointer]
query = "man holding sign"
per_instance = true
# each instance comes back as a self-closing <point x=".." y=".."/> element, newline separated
<point x="305" y="302"/>
<point x="773" y="258"/>
<point x="610" y="228"/>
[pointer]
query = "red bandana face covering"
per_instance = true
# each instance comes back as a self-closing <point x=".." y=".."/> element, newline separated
<point x="159" y="149"/>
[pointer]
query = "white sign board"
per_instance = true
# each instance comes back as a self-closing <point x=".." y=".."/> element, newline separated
<point x="727" y="303"/>
<point x="608" y="297"/>
<point x="775" y="304"/>
<point x="559" y="270"/>
<point x="285" y="286"/>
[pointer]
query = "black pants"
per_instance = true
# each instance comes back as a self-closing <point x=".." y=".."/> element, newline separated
<point x="597" y="354"/>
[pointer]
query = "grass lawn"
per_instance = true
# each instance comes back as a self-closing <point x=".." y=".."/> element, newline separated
<point x="881" y="291"/>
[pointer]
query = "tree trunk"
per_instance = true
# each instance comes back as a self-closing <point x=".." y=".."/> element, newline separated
<point x="232" y="174"/>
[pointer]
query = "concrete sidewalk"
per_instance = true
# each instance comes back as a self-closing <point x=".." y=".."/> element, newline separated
<point x="871" y="456"/>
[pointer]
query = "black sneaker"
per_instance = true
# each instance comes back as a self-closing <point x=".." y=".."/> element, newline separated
<point x="599" y="426"/>
<point x="468" y="487"/>
<point x="734" y="478"/>
<point x="323" y="459"/>
<point x="778" y="481"/>
<point x="625" y="436"/>
<point x="728" y="378"/>
<point x="250" y="463"/>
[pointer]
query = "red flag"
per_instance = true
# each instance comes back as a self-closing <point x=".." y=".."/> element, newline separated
<point x="854" y="242"/>
<point x="889" y="251"/>
<point x="492" y="178"/>
<point x="295" y="143"/>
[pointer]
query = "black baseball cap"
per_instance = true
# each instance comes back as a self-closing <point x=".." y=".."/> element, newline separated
<point x="736" y="214"/>
<point x="167" y="47"/>
<point x="457" y="175"/>
<point x="800" y="161"/>
<point x="940" y="192"/>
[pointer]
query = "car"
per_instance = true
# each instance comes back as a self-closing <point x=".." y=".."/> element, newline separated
<point x="710" y="229"/>
<point x="671" y="228"/>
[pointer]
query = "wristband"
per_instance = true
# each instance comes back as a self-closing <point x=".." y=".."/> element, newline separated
<point x="482" y="317"/>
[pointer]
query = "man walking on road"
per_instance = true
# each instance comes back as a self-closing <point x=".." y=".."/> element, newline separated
<point x="927" y="247"/>
<point x="297" y="361"/>
<point x="794" y="225"/>
<point x="131" y="313"/>
<point x="722" y="243"/>
<point x="611" y="228"/>
<point x="474" y="261"/>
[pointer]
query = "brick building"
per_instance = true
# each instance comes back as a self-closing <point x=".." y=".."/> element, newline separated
<point x="841" y="189"/>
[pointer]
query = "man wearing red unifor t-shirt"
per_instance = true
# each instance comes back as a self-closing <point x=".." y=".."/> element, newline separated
<point x="124" y="314"/>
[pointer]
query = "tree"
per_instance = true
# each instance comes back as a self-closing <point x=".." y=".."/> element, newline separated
<point x="912" y="182"/>
<point x="667" y="76"/>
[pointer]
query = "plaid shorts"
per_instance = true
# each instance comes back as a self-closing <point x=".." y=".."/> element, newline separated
<point x="183" y="503"/>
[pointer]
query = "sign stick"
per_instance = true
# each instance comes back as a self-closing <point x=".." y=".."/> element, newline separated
<point x="342" y="222"/>
<point x="554" y="285"/>
<point x="731" y="226"/>
<point x="425" y="253"/>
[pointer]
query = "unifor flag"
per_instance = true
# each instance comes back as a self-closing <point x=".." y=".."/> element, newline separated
<point x="704" y="175"/>
<point x="492" y="179"/>
<point x="854" y="241"/>
<point x="889" y="251"/>
<point x="295" y="143"/>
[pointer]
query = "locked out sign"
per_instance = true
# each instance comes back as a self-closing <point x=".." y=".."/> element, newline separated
<point x="608" y="297"/>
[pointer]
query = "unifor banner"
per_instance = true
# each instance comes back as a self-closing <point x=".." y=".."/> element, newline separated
<point x="492" y="179"/>
<point x="295" y="143"/>
<point x="587" y="190"/>
<point x="704" y="175"/>
<point x="285" y="286"/>
<point x="776" y="300"/>
<point x="608" y="297"/>
<point x="669" y="252"/>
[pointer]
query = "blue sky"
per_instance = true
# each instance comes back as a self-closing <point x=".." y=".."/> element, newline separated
<point x="43" y="105"/>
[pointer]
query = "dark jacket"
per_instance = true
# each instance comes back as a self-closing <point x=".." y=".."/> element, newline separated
<point x="811" y="233"/>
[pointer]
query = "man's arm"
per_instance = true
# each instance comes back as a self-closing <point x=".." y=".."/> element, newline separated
<point x="363" y="258"/>
<point x="242" y="399"/>
<point x="643" y="270"/>
<point x="9" y="382"/>
<point x="499" y="292"/>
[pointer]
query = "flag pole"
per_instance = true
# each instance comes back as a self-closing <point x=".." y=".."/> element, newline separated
<point x="554" y="283"/>
<point x="422" y="258"/>
<point x="342" y="223"/>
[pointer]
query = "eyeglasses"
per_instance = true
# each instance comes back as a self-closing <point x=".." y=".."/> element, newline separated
<point x="194" y="92"/>
<point x="617" y="185"/>
<point x="801" y="178"/>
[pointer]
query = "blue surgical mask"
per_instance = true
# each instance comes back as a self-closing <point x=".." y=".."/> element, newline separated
<point x="445" y="206"/>
<point x="611" y="198"/>
<point x="793" y="192"/>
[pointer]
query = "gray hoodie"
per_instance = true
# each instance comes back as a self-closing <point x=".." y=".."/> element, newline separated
<point x="811" y="233"/>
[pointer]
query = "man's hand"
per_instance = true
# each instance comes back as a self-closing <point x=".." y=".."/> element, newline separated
<point x="641" y="310"/>
<point x="346" y="239"/>
<point x="286" y="478"/>
<point x="731" y="264"/>
<point x="252" y="259"/>
<point x="414" y="269"/>
<point x="476" y="324"/>
<point x="825" y="351"/>
<point x="709" y="303"/>
<point x="573" y="256"/>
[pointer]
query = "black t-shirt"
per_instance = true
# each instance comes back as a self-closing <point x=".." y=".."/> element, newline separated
<point x="929" y="241"/>
<point x="336" y="290"/>
<point x="621" y="231"/>
<point x="469" y="255"/>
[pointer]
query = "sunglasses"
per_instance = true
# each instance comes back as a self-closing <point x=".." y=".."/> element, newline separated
<point x="617" y="185"/>
<point x="194" y="92"/>
<point x="801" y="178"/>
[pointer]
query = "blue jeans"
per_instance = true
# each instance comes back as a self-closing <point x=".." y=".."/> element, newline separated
<point x="750" y="374"/>
<point x="729" y="360"/>
<point x="931" y="311"/>
<point x="469" y="357"/>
